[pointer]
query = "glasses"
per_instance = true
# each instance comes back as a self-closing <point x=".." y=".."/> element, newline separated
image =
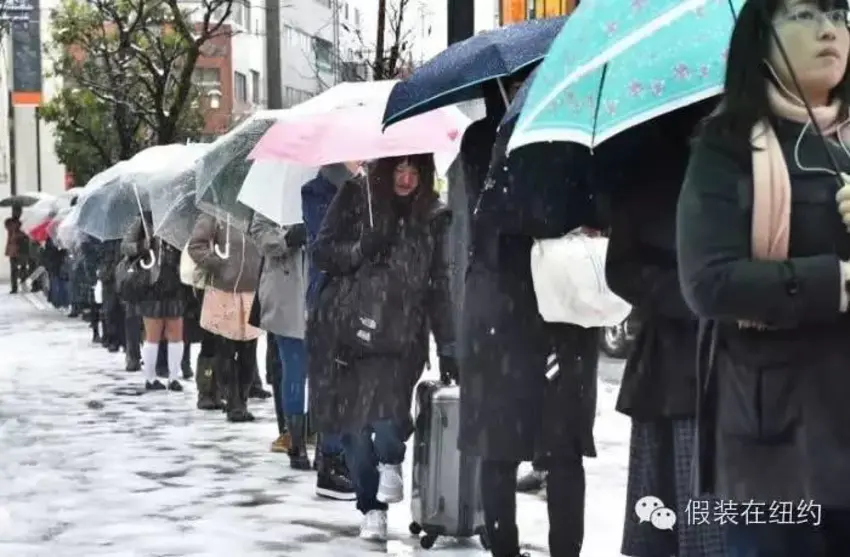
<point x="815" y="17"/>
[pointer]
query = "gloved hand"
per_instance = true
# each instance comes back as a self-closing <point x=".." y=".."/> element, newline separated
<point x="449" y="370"/>
<point x="376" y="238"/>
<point x="843" y="199"/>
<point x="296" y="236"/>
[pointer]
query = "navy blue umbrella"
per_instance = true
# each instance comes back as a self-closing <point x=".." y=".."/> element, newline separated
<point x="457" y="73"/>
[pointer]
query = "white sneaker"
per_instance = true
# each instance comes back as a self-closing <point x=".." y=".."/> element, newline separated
<point x="390" y="484"/>
<point x="374" y="526"/>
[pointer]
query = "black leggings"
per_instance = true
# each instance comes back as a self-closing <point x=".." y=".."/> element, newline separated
<point x="565" y="488"/>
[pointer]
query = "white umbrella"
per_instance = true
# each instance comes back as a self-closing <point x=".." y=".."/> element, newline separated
<point x="273" y="189"/>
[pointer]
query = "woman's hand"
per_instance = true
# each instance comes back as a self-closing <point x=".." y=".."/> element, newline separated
<point x="843" y="199"/>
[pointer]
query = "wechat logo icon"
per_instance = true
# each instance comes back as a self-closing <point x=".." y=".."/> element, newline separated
<point x="651" y="509"/>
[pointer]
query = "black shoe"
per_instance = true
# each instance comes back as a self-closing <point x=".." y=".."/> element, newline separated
<point x="154" y="385"/>
<point x="113" y="348"/>
<point x="238" y="416"/>
<point x="95" y="337"/>
<point x="133" y="364"/>
<point x="532" y="482"/>
<point x="299" y="460"/>
<point x="186" y="367"/>
<point x="74" y="312"/>
<point x="209" y="403"/>
<point x="333" y="483"/>
<point x="259" y="393"/>
<point x="175" y="386"/>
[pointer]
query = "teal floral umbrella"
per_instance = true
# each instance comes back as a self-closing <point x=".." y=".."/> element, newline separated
<point x="587" y="100"/>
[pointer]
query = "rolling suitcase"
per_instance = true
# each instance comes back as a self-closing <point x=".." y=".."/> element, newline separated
<point x="446" y="497"/>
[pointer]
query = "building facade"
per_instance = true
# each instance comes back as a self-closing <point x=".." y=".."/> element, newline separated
<point x="512" y="11"/>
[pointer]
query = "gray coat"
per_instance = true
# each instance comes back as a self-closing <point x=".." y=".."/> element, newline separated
<point x="283" y="282"/>
<point x="773" y="411"/>
<point x="237" y="273"/>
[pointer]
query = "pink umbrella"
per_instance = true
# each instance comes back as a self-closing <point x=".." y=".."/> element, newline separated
<point x="355" y="132"/>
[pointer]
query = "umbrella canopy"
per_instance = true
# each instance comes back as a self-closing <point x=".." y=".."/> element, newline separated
<point x="116" y="197"/>
<point x="457" y="73"/>
<point x="598" y="33"/>
<point x="679" y="65"/>
<point x="172" y="197"/>
<point x="317" y="138"/>
<point x="273" y="189"/>
<point x="23" y="199"/>
<point x="220" y="172"/>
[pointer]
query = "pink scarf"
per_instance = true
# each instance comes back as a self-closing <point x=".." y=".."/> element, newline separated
<point x="771" y="182"/>
<point x="771" y="216"/>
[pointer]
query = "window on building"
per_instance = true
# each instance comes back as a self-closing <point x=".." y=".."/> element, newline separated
<point x="240" y="87"/>
<point x="345" y="11"/>
<point x="256" y="87"/>
<point x="237" y="13"/>
<point x="511" y="11"/>
<point x="293" y="96"/>
<point x="357" y="16"/>
<point x="325" y="3"/>
<point x="324" y="53"/>
<point x="207" y="77"/>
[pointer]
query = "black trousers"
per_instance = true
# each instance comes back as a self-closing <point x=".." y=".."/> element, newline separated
<point x="565" y="490"/>
<point x="113" y="317"/>
<point x="133" y="336"/>
<point x="236" y="360"/>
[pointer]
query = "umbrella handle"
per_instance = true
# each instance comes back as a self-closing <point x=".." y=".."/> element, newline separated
<point x="225" y="253"/>
<point x="151" y="261"/>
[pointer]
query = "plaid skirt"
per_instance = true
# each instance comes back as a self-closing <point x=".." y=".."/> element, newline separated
<point x="660" y="455"/>
<point x="157" y="309"/>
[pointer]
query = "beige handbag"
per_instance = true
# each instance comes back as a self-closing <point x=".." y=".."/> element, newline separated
<point x="190" y="274"/>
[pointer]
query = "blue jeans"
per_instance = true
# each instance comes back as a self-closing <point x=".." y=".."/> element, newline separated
<point x="380" y="442"/>
<point x="331" y="444"/>
<point x="293" y="358"/>
<point x="59" y="295"/>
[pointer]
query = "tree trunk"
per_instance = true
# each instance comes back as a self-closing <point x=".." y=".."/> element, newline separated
<point x="378" y="67"/>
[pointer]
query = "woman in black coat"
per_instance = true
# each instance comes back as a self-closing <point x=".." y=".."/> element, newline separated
<point x="658" y="390"/>
<point x="510" y="412"/>
<point x="777" y="385"/>
<point x="163" y="306"/>
<point x="398" y="270"/>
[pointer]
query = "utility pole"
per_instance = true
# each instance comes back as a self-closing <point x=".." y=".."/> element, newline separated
<point x="274" y="80"/>
<point x="336" y="61"/>
<point x="461" y="20"/>
<point x="379" y="40"/>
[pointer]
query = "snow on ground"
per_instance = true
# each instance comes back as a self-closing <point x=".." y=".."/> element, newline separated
<point x="89" y="468"/>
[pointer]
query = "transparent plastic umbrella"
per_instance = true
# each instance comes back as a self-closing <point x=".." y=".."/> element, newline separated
<point x="220" y="173"/>
<point x="117" y="196"/>
<point x="172" y="198"/>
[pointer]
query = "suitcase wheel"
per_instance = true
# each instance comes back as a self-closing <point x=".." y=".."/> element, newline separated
<point x="415" y="528"/>
<point x="427" y="541"/>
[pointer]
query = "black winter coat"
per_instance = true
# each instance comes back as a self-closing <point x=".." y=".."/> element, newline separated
<point x="348" y="391"/>
<point x="774" y="406"/>
<point x="505" y="343"/>
<point x="659" y="380"/>
<point x="166" y="272"/>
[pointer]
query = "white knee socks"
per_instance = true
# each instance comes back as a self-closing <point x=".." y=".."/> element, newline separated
<point x="175" y="358"/>
<point x="149" y="354"/>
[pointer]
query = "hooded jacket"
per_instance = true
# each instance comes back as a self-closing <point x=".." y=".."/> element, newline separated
<point x="316" y="197"/>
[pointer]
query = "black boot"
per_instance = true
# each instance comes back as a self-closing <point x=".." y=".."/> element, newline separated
<point x="298" y="457"/>
<point x="332" y="479"/>
<point x="162" y="359"/>
<point x="132" y="343"/>
<point x="237" y="393"/>
<point x="186" y="362"/>
<point x="257" y="391"/>
<point x="208" y="398"/>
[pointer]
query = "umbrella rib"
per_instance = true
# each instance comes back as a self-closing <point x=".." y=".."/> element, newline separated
<point x="598" y="105"/>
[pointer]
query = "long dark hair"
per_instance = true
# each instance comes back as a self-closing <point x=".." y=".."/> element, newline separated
<point x="382" y="182"/>
<point x="745" y="99"/>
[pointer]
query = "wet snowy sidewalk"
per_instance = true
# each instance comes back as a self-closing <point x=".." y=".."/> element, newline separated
<point x="88" y="469"/>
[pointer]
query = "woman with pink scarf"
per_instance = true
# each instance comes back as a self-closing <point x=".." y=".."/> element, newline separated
<point x="763" y="260"/>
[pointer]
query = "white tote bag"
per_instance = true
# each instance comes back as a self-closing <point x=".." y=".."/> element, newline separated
<point x="569" y="282"/>
<point x="190" y="274"/>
